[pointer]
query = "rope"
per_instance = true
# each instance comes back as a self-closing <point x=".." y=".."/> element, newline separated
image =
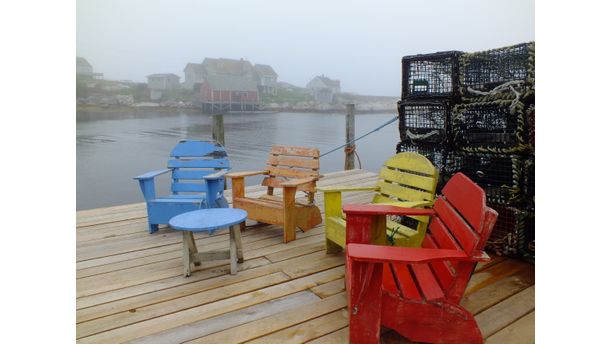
<point x="501" y="88"/>
<point x="416" y="137"/>
<point x="353" y="149"/>
<point x="362" y="136"/>
<point x="391" y="237"/>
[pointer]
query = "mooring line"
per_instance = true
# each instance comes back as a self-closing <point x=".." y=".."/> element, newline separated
<point x="362" y="136"/>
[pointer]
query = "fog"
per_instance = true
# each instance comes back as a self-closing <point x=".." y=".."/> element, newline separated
<point x="361" y="43"/>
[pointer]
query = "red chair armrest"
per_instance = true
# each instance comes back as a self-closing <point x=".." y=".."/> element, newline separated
<point x="388" y="254"/>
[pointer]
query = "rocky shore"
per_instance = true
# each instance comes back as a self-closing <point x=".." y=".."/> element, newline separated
<point x="363" y="104"/>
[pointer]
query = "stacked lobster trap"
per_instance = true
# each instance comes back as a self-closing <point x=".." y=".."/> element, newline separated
<point x="475" y="113"/>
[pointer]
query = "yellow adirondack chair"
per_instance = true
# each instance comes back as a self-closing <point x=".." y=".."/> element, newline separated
<point x="407" y="179"/>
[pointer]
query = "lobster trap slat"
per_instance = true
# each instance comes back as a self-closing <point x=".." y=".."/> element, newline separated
<point x="499" y="175"/>
<point x="424" y="121"/>
<point x="431" y="75"/>
<point x="495" y="127"/>
<point x="484" y="71"/>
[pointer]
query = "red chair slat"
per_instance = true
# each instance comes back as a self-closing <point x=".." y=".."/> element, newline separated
<point x="441" y="235"/>
<point x="406" y="282"/>
<point x="456" y="224"/>
<point x="388" y="280"/>
<point x="468" y="198"/>
<point x="427" y="281"/>
<point x="443" y="270"/>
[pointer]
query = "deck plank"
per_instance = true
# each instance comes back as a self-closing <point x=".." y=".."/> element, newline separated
<point x="521" y="331"/>
<point x="130" y="284"/>
<point x="276" y="322"/>
<point x="506" y="312"/>
<point x="230" y="320"/>
<point x="307" y="330"/>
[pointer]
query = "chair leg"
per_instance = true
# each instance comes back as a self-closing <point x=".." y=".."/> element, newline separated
<point x="289" y="211"/>
<point x="332" y="247"/>
<point x="153" y="228"/>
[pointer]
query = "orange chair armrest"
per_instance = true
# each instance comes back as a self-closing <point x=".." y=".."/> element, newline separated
<point x="298" y="182"/>
<point x="245" y="174"/>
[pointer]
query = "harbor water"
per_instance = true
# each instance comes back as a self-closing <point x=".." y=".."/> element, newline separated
<point x="113" y="147"/>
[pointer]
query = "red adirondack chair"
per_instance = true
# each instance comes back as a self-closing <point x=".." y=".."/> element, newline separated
<point x="416" y="291"/>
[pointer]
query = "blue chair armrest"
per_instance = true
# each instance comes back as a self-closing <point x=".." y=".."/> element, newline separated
<point x="152" y="174"/>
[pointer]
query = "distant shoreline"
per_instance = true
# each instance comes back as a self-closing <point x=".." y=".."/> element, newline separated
<point x="134" y="109"/>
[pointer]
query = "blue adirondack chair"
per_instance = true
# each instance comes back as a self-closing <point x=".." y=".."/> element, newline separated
<point x="198" y="169"/>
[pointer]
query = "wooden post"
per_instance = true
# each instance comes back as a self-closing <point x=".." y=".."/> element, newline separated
<point x="349" y="159"/>
<point x="218" y="134"/>
<point x="218" y="131"/>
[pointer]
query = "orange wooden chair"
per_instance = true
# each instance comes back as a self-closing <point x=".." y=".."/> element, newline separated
<point x="293" y="169"/>
<point x="417" y="291"/>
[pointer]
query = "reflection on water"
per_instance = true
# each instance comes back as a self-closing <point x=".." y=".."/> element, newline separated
<point x="111" y="148"/>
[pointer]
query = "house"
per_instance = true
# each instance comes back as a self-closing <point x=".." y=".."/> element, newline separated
<point x="266" y="79"/>
<point x="160" y="83"/>
<point x="83" y="68"/>
<point x="228" y="85"/>
<point x="194" y="74"/>
<point x="223" y="93"/>
<point x="323" y="89"/>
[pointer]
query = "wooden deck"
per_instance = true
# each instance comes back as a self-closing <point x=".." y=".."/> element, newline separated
<point x="130" y="285"/>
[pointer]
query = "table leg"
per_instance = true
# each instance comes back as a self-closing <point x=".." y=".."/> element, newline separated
<point x="193" y="249"/>
<point x="186" y="254"/>
<point x="233" y="265"/>
<point x="238" y="239"/>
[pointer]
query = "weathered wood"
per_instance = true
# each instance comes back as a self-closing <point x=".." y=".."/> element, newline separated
<point x="349" y="158"/>
<point x="519" y="332"/>
<point x="150" y="311"/>
<point x="307" y="330"/>
<point x="292" y="161"/>
<point x="340" y="336"/>
<point x="126" y="277"/>
<point x="506" y="312"/>
<point x="329" y="289"/>
<point x="276" y="322"/>
<point x="230" y="320"/>
<point x="210" y="310"/>
<point x="433" y="314"/>
<point x="295" y="150"/>
<point x="218" y="129"/>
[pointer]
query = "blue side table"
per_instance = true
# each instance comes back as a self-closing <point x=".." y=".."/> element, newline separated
<point x="209" y="220"/>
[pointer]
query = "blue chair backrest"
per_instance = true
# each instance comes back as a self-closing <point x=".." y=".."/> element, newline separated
<point x="191" y="160"/>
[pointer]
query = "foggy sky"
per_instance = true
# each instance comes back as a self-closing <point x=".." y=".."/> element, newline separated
<point x="361" y="43"/>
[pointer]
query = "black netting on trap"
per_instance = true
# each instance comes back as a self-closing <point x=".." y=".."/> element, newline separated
<point x="495" y="127"/>
<point x="487" y="71"/>
<point x="499" y="175"/>
<point x="431" y="75"/>
<point x="529" y="184"/>
<point x="530" y="117"/>
<point x="509" y="232"/>
<point x="423" y="121"/>
<point x="528" y="237"/>
<point x="435" y="153"/>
